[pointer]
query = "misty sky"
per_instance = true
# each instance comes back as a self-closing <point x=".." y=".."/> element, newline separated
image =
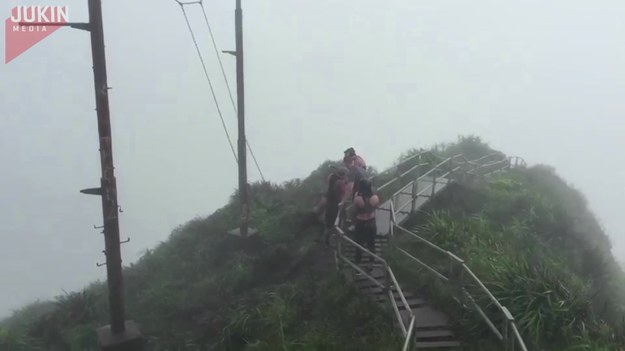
<point x="541" y="80"/>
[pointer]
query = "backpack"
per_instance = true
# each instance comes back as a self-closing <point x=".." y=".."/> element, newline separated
<point x="333" y="192"/>
<point x="356" y="173"/>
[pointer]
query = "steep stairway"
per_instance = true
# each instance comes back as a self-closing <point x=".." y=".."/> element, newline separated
<point x="432" y="327"/>
<point x="423" y="326"/>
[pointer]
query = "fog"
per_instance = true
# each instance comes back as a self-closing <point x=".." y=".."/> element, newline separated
<point x="540" y="80"/>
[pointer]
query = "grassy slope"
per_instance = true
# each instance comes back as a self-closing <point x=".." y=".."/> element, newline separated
<point x="202" y="288"/>
<point x="541" y="252"/>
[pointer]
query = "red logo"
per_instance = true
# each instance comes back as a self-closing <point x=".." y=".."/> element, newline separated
<point x="26" y="27"/>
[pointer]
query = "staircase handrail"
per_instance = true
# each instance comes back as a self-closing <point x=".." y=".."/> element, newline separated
<point x="390" y="281"/>
<point x="409" y="337"/>
<point x="510" y="334"/>
<point x="412" y="325"/>
<point x="396" y="169"/>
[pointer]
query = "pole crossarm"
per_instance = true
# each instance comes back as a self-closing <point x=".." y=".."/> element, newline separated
<point x="76" y="25"/>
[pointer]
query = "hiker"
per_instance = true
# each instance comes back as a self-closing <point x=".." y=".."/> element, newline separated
<point x="351" y="157"/>
<point x="333" y="198"/>
<point x="357" y="170"/>
<point x="365" y="203"/>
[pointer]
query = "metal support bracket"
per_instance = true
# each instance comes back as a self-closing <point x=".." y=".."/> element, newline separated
<point x="75" y="25"/>
<point x="92" y="191"/>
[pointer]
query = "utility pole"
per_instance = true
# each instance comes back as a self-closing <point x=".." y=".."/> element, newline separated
<point x="243" y="230"/>
<point x="119" y="335"/>
<point x="107" y="182"/>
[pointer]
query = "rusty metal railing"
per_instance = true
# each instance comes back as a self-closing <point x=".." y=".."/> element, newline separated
<point x="387" y="285"/>
<point x="455" y="167"/>
<point x="508" y="333"/>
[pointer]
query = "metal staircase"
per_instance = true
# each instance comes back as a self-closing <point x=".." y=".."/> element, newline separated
<point x="420" y="323"/>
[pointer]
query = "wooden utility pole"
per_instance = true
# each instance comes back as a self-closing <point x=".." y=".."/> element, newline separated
<point x="119" y="335"/>
<point x="244" y="229"/>
<point x="238" y="24"/>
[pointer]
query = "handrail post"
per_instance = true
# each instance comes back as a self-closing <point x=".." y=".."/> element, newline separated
<point x="339" y="252"/>
<point x="387" y="280"/>
<point x="337" y="236"/>
<point x="455" y="271"/>
<point x="512" y="342"/>
<point x="415" y="185"/>
<point x="509" y="337"/>
<point x="451" y="167"/>
<point x="506" y="331"/>
<point x="391" y="213"/>
<point x="398" y="173"/>
<point x="452" y="277"/>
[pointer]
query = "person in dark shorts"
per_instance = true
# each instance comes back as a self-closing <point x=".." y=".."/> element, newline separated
<point x="366" y="202"/>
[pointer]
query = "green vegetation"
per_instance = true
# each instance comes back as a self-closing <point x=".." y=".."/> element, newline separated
<point x="204" y="289"/>
<point x="525" y="233"/>
<point x="531" y="238"/>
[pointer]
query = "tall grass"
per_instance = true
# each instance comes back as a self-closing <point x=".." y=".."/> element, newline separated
<point x="529" y="238"/>
<point x="203" y="288"/>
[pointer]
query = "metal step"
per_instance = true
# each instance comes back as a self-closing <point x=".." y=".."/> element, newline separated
<point x="363" y="282"/>
<point x="352" y="250"/>
<point x="437" y="344"/>
<point x="377" y="290"/>
<point x="433" y="329"/>
<point x="434" y="334"/>
<point x="412" y="303"/>
<point x="426" y="318"/>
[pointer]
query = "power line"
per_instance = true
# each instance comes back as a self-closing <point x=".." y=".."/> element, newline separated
<point x="208" y="78"/>
<point x="200" y="2"/>
<point x="223" y="72"/>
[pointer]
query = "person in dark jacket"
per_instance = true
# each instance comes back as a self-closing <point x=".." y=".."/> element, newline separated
<point x="330" y="202"/>
<point x="334" y="196"/>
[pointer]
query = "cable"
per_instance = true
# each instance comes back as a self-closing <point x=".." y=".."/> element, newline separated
<point x="208" y="79"/>
<point x="223" y="72"/>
